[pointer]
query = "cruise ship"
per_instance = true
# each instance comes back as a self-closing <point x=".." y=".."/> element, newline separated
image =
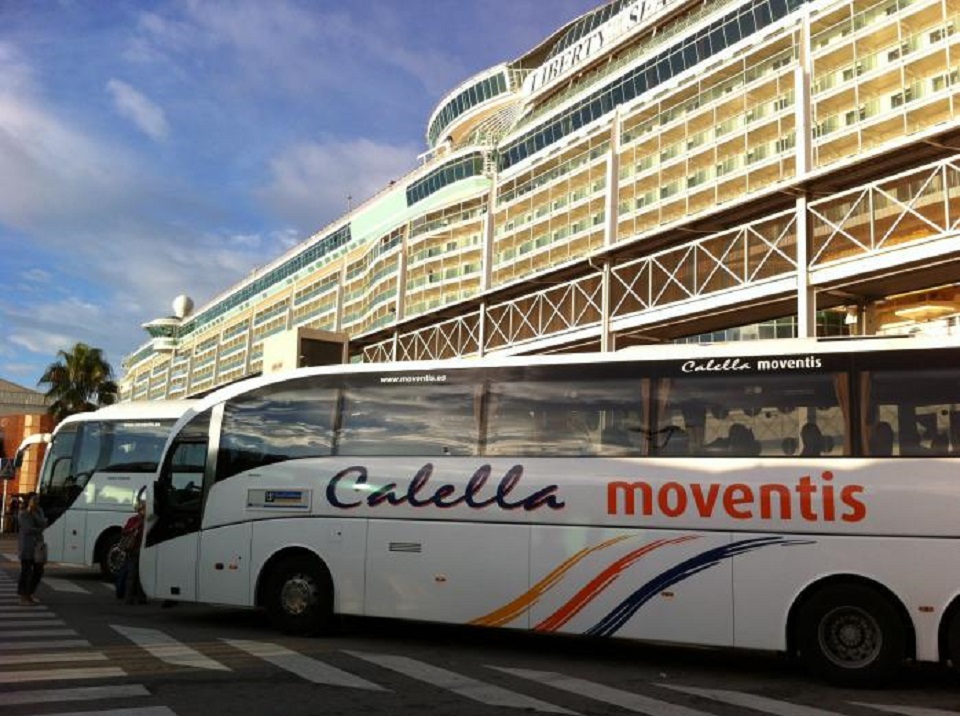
<point x="654" y="171"/>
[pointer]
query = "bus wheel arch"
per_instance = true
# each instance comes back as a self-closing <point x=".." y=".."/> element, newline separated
<point x="296" y="589"/>
<point x="850" y="630"/>
<point x="105" y="553"/>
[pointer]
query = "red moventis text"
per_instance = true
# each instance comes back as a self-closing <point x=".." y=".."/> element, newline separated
<point x="810" y="499"/>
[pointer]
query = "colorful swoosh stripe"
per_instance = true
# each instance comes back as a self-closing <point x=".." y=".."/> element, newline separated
<point x="623" y="612"/>
<point x="521" y="604"/>
<point x="603" y="580"/>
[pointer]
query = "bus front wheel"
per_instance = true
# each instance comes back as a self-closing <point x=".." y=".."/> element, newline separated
<point x="111" y="556"/>
<point x="851" y="634"/>
<point x="299" y="598"/>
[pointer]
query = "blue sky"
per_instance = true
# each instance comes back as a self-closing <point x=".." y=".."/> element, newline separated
<point x="149" y="149"/>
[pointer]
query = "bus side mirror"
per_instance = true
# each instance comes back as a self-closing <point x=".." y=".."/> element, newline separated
<point x="42" y="438"/>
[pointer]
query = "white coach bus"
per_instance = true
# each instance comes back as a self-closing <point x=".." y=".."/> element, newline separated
<point x="95" y="466"/>
<point x="797" y="496"/>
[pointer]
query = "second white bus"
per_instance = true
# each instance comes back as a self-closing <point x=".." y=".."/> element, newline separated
<point x="796" y="496"/>
<point x="96" y="465"/>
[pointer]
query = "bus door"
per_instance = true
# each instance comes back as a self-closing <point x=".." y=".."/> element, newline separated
<point x="86" y="459"/>
<point x="168" y="560"/>
<point x="56" y="491"/>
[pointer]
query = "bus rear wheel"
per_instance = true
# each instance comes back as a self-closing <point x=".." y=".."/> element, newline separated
<point x="299" y="598"/>
<point x="953" y="641"/>
<point x="851" y="635"/>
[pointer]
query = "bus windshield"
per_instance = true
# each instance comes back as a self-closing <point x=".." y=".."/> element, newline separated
<point x="80" y="450"/>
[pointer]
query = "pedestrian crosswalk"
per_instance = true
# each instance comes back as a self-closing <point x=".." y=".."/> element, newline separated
<point x="42" y="660"/>
<point x="36" y="665"/>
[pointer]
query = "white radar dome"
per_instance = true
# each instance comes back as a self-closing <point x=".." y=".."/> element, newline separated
<point x="182" y="306"/>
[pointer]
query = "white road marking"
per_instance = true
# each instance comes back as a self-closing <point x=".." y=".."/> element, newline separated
<point x="606" y="694"/>
<point x="303" y="666"/>
<point x="35" y="633"/>
<point x="41" y="620"/>
<point x="907" y="710"/>
<point x="51" y="656"/>
<point x="16" y="677"/>
<point x="462" y="685"/>
<point x="145" y="711"/>
<point x="35" y="613"/>
<point x="81" y="693"/>
<point x="52" y="644"/>
<point x="168" y="649"/>
<point x="750" y="701"/>
<point x="63" y="585"/>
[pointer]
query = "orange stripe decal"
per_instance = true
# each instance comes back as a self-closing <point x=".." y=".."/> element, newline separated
<point x="509" y="612"/>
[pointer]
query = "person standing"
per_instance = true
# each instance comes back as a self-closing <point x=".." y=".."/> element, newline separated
<point x="32" y="523"/>
<point x="14" y="511"/>
<point x="131" y="537"/>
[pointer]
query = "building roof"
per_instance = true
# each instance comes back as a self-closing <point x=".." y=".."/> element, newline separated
<point x="15" y="399"/>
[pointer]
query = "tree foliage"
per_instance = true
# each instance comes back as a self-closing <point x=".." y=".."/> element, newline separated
<point x="79" y="380"/>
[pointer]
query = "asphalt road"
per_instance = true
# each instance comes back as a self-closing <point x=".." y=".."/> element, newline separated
<point x="82" y="652"/>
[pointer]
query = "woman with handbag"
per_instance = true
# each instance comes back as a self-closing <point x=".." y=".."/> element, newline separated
<point x="132" y="535"/>
<point x="33" y="550"/>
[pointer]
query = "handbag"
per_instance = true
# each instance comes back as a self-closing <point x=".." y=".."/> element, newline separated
<point x="40" y="552"/>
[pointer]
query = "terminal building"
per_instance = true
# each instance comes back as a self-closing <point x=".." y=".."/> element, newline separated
<point x="654" y="171"/>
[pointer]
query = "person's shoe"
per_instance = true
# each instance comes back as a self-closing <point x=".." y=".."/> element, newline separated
<point x="25" y="601"/>
<point x="33" y="599"/>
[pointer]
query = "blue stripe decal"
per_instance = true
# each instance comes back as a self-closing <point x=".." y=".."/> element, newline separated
<point x="623" y="612"/>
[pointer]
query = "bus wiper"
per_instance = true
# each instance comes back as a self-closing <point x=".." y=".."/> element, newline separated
<point x="144" y="466"/>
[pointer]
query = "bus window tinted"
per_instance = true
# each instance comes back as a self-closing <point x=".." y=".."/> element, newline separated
<point x="566" y="418"/>
<point x="133" y="446"/>
<point x="429" y="419"/>
<point x="916" y="417"/>
<point x="284" y="422"/>
<point x="56" y="493"/>
<point x="754" y="415"/>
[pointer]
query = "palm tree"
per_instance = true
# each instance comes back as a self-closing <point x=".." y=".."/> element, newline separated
<point x="80" y="380"/>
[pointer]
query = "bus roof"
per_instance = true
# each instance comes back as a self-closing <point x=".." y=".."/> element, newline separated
<point x="658" y="352"/>
<point x="136" y="410"/>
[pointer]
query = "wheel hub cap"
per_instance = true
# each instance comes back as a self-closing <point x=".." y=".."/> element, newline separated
<point x="298" y="594"/>
<point x="850" y="637"/>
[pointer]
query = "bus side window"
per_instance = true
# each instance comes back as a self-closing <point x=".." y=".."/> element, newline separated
<point x="187" y="465"/>
<point x="622" y="433"/>
<point x="287" y="421"/>
<point x="511" y="429"/>
<point x="424" y="419"/>
<point x="915" y="418"/>
<point x="881" y="439"/>
<point x="751" y="415"/>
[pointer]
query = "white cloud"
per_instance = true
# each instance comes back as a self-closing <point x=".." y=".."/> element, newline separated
<point x="52" y="175"/>
<point x="248" y="241"/>
<point x="36" y="276"/>
<point x="136" y="107"/>
<point x="38" y="341"/>
<point x="313" y="183"/>
<point x="17" y="76"/>
<point x="46" y="328"/>
<point x="322" y="48"/>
